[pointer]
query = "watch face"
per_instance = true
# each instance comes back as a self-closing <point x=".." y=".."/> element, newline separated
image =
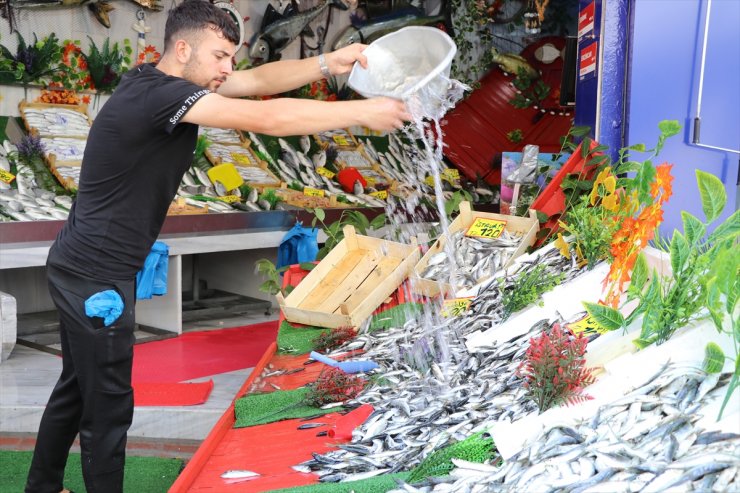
<point x="236" y="17"/>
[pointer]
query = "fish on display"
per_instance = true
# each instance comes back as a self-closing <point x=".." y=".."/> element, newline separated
<point x="267" y="44"/>
<point x="513" y="64"/>
<point x="369" y="31"/>
<point x="99" y="8"/>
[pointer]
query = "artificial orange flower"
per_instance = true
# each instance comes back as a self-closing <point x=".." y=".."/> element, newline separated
<point x="663" y="183"/>
<point x="148" y="55"/>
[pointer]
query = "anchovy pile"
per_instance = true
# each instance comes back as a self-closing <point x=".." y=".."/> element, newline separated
<point x="487" y="309"/>
<point x="57" y="121"/>
<point x="353" y="159"/>
<point x="646" y="441"/>
<point x="64" y="148"/>
<point x="474" y="259"/>
<point x="28" y="202"/>
<point x="220" y="135"/>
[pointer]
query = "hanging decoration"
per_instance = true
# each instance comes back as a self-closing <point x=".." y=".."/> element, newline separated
<point x="142" y="29"/>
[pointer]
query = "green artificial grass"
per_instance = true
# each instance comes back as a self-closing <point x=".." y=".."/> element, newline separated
<point x="297" y="340"/>
<point x="258" y="409"/>
<point x="378" y="484"/>
<point x="141" y="475"/>
<point x="395" y="317"/>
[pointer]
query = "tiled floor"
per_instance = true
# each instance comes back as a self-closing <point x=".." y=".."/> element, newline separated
<point x="28" y="376"/>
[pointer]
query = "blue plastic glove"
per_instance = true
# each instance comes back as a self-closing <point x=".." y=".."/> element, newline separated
<point x="105" y="304"/>
<point x="346" y="366"/>
<point x="152" y="278"/>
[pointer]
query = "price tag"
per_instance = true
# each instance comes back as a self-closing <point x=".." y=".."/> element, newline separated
<point x="452" y="174"/>
<point x="370" y="180"/>
<point x="240" y="158"/>
<point x="6" y="176"/>
<point x="313" y="192"/>
<point x="429" y="180"/>
<point x="340" y="140"/>
<point x="382" y="194"/>
<point x="455" y="306"/>
<point x="486" y="228"/>
<point x="231" y="199"/>
<point x="325" y="172"/>
<point x="586" y="326"/>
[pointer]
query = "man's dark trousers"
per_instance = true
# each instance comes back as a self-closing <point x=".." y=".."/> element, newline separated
<point x="93" y="395"/>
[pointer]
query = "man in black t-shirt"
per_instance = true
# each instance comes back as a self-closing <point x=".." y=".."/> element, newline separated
<point x="139" y="147"/>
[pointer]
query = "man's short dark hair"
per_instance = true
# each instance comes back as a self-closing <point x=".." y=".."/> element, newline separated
<point x="198" y="15"/>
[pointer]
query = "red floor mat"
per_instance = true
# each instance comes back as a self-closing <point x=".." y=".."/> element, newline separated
<point x="171" y="394"/>
<point x="201" y="354"/>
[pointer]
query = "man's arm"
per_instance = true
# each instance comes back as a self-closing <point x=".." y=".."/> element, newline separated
<point x="284" y="116"/>
<point x="286" y="75"/>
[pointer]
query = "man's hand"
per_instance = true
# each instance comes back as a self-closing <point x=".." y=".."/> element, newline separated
<point x="384" y="114"/>
<point x="341" y="61"/>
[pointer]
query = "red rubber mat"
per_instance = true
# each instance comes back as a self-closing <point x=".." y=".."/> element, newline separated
<point x="202" y="354"/>
<point x="269" y="450"/>
<point x="171" y="394"/>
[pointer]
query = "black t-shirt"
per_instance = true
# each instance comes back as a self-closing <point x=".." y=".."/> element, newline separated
<point x="136" y="155"/>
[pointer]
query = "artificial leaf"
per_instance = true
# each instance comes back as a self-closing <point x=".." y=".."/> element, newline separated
<point x="585" y="147"/>
<point x="669" y="127"/>
<point x="713" y="302"/>
<point x="541" y="217"/>
<point x="320" y="214"/>
<point x="645" y="177"/>
<point x="639" y="273"/>
<point x="679" y="253"/>
<point x="579" y="130"/>
<point x="607" y="317"/>
<point x="714" y="358"/>
<point x="378" y="222"/>
<point x="730" y="228"/>
<point x="309" y="266"/>
<point x="637" y="147"/>
<point x="713" y="195"/>
<point x="693" y="227"/>
<point x="635" y="313"/>
<point x="642" y="343"/>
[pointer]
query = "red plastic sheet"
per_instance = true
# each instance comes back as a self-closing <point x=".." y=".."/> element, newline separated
<point x="202" y="354"/>
<point x="171" y="394"/>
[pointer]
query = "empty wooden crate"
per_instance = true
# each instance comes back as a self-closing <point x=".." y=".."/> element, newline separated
<point x="354" y="279"/>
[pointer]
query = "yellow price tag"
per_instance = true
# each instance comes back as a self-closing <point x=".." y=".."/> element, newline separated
<point x="486" y="228"/>
<point x="370" y="180"/>
<point x="382" y="194"/>
<point x="455" y="306"/>
<point x="452" y="174"/>
<point x="586" y="325"/>
<point x="340" y="140"/>
<point x="6" y="176"/>
<point x="231" y="199"/>
<point x="240" y="158"/>
<point x="313" y="192"/>
<point x="429" y="180"/>
<point x="325" y="172"/>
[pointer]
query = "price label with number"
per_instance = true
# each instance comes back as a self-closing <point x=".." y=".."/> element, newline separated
<point x="341" y="140"/>
<point x="370" y="180"/>
<point x="6" y="176"/>
<point x="382" y="194"/>
<point x="486" y="228"/>
<point x="429" y="180"/>
<point x="313" y="192"/>
<point x="325" y="172"/>
<point x="586" y="325"/>
<point x="231" y="199"/>
<point x="455" y="306"/>
<point x="240" y="158"/>
<point x="452" y="173"/>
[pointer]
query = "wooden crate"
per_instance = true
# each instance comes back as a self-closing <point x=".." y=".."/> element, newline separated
<point x="254" y="162"/>
<point x="354" y="279"/>
<point x="79" y="108"/>
<point x="528" y="227"/>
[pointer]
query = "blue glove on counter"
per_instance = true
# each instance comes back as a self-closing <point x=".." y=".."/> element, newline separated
<point x="105" y="304"/>
<point x="346" y="366"/>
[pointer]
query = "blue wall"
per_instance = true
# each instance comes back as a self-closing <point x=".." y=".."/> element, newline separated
<point x="664" y="85"/>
